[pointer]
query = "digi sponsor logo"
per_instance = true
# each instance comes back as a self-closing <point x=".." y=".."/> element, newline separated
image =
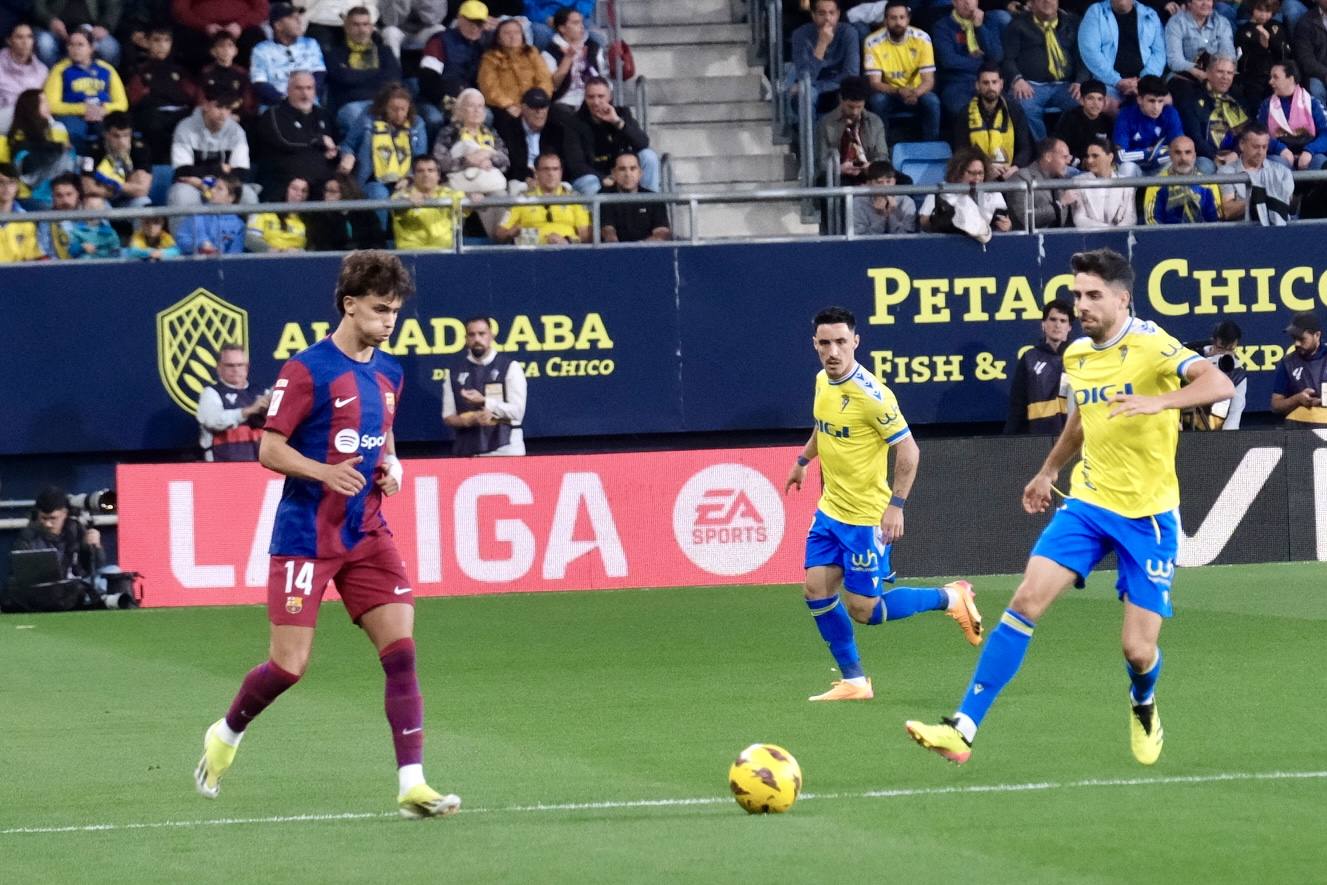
<point x="728" y="519"/>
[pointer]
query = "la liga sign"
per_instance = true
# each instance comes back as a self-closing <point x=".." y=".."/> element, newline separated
<point x="489" y="525"/>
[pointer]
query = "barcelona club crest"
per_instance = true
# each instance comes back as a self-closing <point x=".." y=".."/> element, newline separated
<point x="294" y="604"/>
<point x="189" y="333"/>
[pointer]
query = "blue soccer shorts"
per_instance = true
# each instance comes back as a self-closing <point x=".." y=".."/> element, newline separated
<point x="1080" y="534"/>
<point x="857" y="549"/>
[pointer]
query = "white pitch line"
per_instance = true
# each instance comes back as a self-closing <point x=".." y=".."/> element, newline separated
<point x="610" y="805"/>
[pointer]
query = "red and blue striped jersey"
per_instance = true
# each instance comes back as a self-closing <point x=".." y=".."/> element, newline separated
<point x="332" y="408"/>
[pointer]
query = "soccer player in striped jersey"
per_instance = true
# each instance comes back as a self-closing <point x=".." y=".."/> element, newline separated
<point x="1128" y="378"/>
<point x="859" y="516"/>
<point x="329" y="431"/>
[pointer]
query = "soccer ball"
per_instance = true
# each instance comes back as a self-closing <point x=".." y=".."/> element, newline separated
<point x="765" y="779"/>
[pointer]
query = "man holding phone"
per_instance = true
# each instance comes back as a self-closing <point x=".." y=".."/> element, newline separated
<point x="1300" y="385"/>
<point x="852" y="134"/>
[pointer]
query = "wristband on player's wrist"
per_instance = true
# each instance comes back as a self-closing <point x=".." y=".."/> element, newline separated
<point x="896" y="501"/>
<point x="802" y="460"/>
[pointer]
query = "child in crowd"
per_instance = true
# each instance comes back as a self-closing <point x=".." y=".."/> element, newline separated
<point x="93" y="239"/>
<point x="214" y="234"/>
<point x="152" y="242"/>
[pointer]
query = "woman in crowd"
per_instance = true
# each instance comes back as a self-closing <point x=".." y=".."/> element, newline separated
<point x="381" y="148"/>
<point x="472" y="156"/>
<point x="1101" y="207"/>
<point x="38" y="146"/>
<point x="279" y="231"/>
<point x="976" y="214"/>
<point x="341" y="231"/>
<point x="510" y="68"/>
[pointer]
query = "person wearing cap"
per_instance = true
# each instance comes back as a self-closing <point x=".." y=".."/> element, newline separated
<point x="359" y="66"/>
<point x="1089" y="123"/>
<point x="288" y="51"/>
<point x="537" y="130"/>
<point x="451" y="61"/>
<point x="1041" y="61"/>
<point x="511" y="68"/>
<point x="1301" y="377"/>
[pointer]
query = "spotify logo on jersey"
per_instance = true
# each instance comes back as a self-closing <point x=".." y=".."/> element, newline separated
<point x="346" y="441"/>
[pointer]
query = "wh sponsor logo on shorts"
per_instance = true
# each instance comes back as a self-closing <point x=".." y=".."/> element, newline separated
<point x="728" y="519"/>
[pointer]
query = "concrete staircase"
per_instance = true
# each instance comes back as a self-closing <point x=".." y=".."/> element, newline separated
<point x="706" y="111"/>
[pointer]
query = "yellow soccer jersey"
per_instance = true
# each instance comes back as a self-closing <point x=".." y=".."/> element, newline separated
<point x="857" y="420"/>
<point x="899" y="64"/>
<point x="1128" y="464"/>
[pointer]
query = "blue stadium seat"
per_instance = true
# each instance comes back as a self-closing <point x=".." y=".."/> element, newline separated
<point x="161" y="178"/>
<point x="922" y="161"/>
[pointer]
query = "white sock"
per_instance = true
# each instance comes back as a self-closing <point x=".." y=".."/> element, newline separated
<point x="227" y="735"/>
<point x="965" y="726"/>
<point x="859" y="681"/>
<point x="410" y="776"/>
<point x="953" y="597"/>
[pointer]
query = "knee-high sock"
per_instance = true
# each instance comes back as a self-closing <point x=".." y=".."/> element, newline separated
<point x="1145" y="683"/>
<point x="262" y="685"/>
<point x="835" y="628"/>
<point x="904" y="602"/>
<point x="998" y="664"/>
<point x="403" y="702"/>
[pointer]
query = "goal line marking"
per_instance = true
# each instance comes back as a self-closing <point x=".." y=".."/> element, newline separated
<point x="973" y="789"/>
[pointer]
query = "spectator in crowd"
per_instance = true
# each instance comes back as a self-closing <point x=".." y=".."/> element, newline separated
<point x="1295" y="119"/>
<point x="1102" y="207"/>
<point x="59" y="19"/>
<point x="1266" y="200"/>
<point x="1050" y="208"/>
<point x="20" y="70"/>
<point x="604" y="131"/>
<point x="224" y="75"/>
<point x="1311" y="51"/>
<point x="631" y="222"/>
<point x="161" y="93"/>
<point x="342" y="231"/>
<point x="1145" y="128"/>
<point x="853" y="138"/>
<point x="1211" y="116"/>
<point x="883" y="213"/>
<point x="136" y="22"/>
<point x="325" y="22"/>
<point x="1038" y="394"/>
<point x="82" y="90"/>
<point x="93" y="238"/>
<point x="900" y="62"/>
<point x="152" y="241"/>
<point x="296" y="138"/>
<point x="201" y="20"/>
<point x="1300" y="384"/>
<point x="384" y="145"/>
<point x="510" y="69"/>
<point x="550" y="223"/>
<point x="231" y="411"/>
<point x="965" y="41"/>
<point x="1221" y="350"/>
<point x="18" y="239"/>
<point x="828" y="51"/>
<point x="472" y="156"/>
<point x="483" y="400"/>
<point x="408" y="24"/>
<point x="1087" y="124"/>
<point x="996" y="126"/>
<point x="276" y="61"/>
<point x="38" y="146"/>
<point x="214" y="234"/>
<point x="420" y="226"/>
<point x="279" y="231"/>
<point x="80" y="550"/>
<point x="56" y="237"/>
<point x="358" y="68"/>
<point x="207" y="144"/>
<point x="124" y="170"/>
<point x="1194" y="36"/>
<point x="573" y="57"/>
<point x="1181" y="203"/>
<point x="1260" y="42"/>
<point x="976" y="214"/>
<point x="1119" y="42"/>
<point x="533" y="133"/>
<point x="1041" y="62"/>
<point x="451" y="61"/>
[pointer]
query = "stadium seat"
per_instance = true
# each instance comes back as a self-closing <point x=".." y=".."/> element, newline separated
<point x="922" y="161"/>
<point x="161" y="179"/>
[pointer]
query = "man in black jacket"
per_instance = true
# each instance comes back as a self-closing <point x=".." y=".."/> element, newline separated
<point x="298" y="140"/>
<point x="1037" y="402"/>
<point x="1041" y="62"/>
<point x="79" y="549"/>
<point x="539" y="129"/>
<point x="602" y="132"/>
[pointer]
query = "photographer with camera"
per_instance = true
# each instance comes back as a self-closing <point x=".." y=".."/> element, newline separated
<point x="1220" y="351"/>
<point x="231" y="412"/>
<point x="76" y="543"/>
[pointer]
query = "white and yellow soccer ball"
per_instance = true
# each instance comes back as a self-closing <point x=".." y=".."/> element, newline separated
<point x="765" y="779"/>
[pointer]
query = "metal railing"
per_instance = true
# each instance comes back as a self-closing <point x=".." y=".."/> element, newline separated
<point x="770" y="15"/>
<point x="642" y="104"/>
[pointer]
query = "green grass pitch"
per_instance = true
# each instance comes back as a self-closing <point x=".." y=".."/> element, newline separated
<point x="589" y="735"/>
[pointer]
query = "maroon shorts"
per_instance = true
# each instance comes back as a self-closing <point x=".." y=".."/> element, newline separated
<point x="370" y="575"/>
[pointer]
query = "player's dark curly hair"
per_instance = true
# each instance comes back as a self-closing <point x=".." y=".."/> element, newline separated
<point x="831" y="315"/>
<point x="372" y="272"/>
<point x="1108" y="264"/>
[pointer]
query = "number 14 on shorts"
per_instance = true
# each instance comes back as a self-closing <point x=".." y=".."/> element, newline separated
<point x="299" y="576"/>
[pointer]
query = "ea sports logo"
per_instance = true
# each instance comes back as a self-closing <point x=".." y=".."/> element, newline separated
<point x="346" y="441"/>
<point x="728" y="519"/>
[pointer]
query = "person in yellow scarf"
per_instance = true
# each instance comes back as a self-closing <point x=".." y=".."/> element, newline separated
<point x="997" y="126"/>
<point x="1041" y="62"/>
<point x="1213" y="117"/>
<point x="358" y="67"/>
<point x="964" y="40"/>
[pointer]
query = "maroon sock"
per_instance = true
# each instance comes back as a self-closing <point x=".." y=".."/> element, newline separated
<point x="262" y="685"/>
<point x="404" y="705"/>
